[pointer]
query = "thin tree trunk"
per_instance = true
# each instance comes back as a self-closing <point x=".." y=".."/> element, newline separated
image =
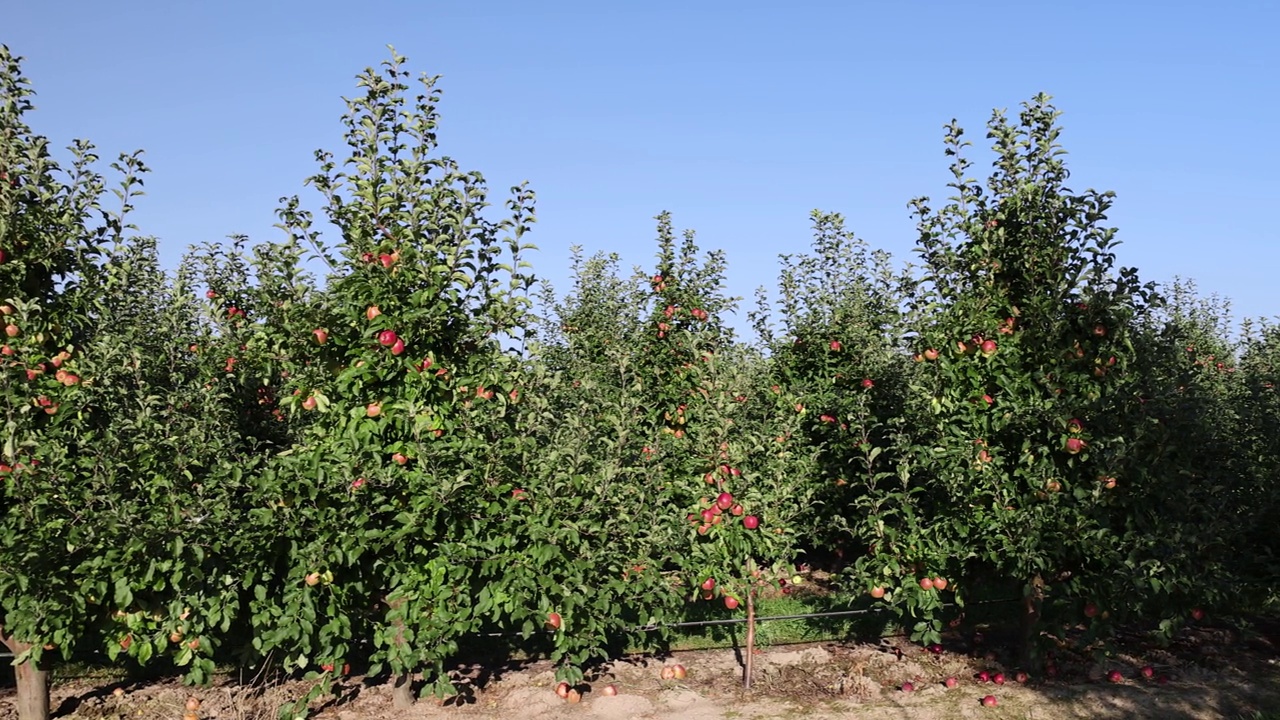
<point x="402" y="692"/>
<point x="33" y="683"/>
<point x="1032" y="600"/>
<point x="751" y="638"/>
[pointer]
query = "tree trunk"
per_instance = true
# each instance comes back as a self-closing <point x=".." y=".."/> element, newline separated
<point x="751" y="638"/>
<point x="1032" y="599"/>
<point x="33" y="684"/>
<point x="402" y="692"/>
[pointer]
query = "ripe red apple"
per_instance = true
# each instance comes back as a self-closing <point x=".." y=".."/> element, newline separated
<point x="667" y="673"/>
<point x="322" y="335"/>
<point x="1115" y="676"/>
<point x="387" y="338"/>
<point x="926" y="583"/>
<point x="1021" y="677"/>
<point x="609" y="690"/>
<point x="678" y="672"/>
<point x="724" y="501"/>
<point x="1075" y="445"/>
<point x="988" y="348"/>
<point x="1090" y="610"/>
<point x="399" y="459"/>
<point x="313" y="579"/>
<point x="373" y="410"/>
<point x="990" y="701"/>
<point x="573" y="696"/>
<point x="1197" y="614"/>
<point x="998" y="678"/>
<point x="908" y="687"/>
<point x="1099" y="330"/>
<point x="751" y="522"/>
<point x="950" y="682"/>
<point x="867" y="383"/>
<point x="984" y="676"/>
<point x="877" y="592"/>
<point x="731" y="602"/>
<point x="398" y="347"/>
<point x="931" y="354"/>
<point x="709" y="584"/>
<point x="309" y="404"/>
<point x="553" y="621"/>
<point x="1147" y="672"/>
<point x="939" y="583"/>
<point x="372" y="312"/>
<point x="737" y="510"/>
<point x="6" y="351"/>
<point x="835" y="346"/>
<point x="563" y="689"/>
<point x="708" y="515"/>
<point x="12" y="330"/>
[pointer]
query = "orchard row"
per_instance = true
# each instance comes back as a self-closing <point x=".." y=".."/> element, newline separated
<point x="243" y="459"/>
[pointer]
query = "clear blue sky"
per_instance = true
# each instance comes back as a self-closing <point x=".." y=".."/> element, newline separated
<point x="738" y="117"/>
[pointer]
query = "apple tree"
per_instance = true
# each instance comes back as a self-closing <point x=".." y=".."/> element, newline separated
<point x="118" y="484"/>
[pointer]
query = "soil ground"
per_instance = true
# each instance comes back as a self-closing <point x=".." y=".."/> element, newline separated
<point x="1211" y="673"/>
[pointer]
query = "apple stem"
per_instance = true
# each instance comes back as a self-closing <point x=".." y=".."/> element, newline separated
<point x="751" y="629"/>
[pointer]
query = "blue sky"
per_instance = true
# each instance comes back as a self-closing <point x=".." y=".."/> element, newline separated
<point x="740" y="118"/>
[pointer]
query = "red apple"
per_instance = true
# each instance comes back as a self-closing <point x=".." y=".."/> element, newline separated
<point x="709" y="584"/>
<point x="563" y="689"/>
<point x="1075" y="445"/>
<point x="984" y="676"/>
<point x="309" y="404"/>
<point x="998" y="678"/>
<point x="387" y="338"/>
<point x="1197" y="614"/>
<point x="1147" y="672"/>
<point x="950" y="682"/>
<point x="751" y="522"/>
<point x="668" y="673"/>
<point x="835" y="346"/>
<point x="1090" y="610"/>
<point x="372" y="312"/>
<point x="1099" y="330"/>
<point x="724" y="501"/>
<point x="373" y="410"/>
<point x="322" y="335"/>
<point x="313" y="579"/>
<point x="1020" y="677"/>
<point x="939" y="583"/>
<point x="553" y="621"/>
<point x="931" y="354"/>
<point x="12" y="330"/>
<point x="877" y="592"/>
<point x="573" y="696"/>
<point x="678" y="672"/>
<point x="731" y="602"/>
<point x="867" y="383"/>
<point x="926" y="583"/>
<point x="988" y="348"/>
<point x="399" y="459"/>
<point x="1115" y="676"/>
<point x="398" y="347"/>
<point x="908" y="687"/>
<point x="736" y="510"/>
<point x="609" y="690"/>
<point x="990" y="701"/>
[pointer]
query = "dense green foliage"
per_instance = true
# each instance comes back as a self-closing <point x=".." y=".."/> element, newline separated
<point x="425" y="445"/>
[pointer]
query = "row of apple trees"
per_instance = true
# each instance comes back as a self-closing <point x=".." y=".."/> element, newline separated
<point x="379" y="440"/>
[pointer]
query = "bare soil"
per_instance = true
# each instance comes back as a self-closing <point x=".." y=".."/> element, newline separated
<point x="1211" y="673"/>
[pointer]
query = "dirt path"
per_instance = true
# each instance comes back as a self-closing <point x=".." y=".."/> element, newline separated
<point x="821" y="682"/>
